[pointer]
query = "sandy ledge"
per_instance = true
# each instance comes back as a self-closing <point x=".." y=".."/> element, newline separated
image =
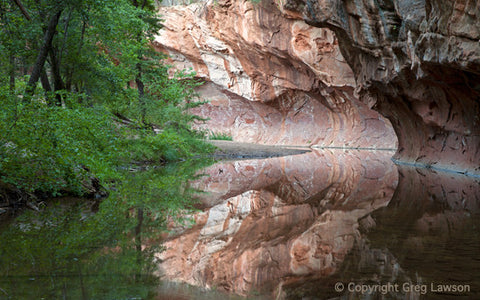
<point x="236" y="150"/>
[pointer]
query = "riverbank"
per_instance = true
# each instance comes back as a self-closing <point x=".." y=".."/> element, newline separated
<point x="236" y="150"/>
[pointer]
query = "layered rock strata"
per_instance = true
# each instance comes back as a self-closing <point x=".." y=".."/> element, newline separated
<point x="302" y="88"/>
<point x="276" y="221"/>
<point x="418" y="63"/>
<point x="295" y="118"/>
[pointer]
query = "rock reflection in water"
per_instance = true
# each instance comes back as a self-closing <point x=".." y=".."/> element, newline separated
<point x="427" y="236"/>
<point x="273" y="222"/>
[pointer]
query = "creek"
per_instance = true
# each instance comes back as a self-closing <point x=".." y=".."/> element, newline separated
<point x="330" y="223"/>
<point x="318" y="225"/>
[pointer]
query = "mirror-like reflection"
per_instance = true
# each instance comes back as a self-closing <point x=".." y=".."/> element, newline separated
<point x="327" y="224"/>
<point x="424" y="245"/>
<point x="275" y="222"/>
<point x="99" y="248"/>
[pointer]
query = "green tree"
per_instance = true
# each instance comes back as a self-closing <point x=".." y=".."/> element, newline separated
<point x="86" y="101"/>
<point x="104" y="94"/>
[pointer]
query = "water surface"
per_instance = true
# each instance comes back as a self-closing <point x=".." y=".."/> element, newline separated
<point x="327" y="224"/>
<point x="330" y="224"/>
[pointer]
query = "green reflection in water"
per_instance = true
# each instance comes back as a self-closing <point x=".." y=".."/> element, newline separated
<point x="82" y="249"/>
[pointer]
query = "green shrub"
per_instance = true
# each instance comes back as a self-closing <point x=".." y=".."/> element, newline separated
<point x="55" y="149"/>
<point x="220" y="136"/>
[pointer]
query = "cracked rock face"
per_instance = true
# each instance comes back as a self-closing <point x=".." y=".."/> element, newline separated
<point x="273" y="79"/>
<point x="416" y="62"/>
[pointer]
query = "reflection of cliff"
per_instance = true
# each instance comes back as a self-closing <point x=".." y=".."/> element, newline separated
<point x="427" y="234"/>
<point x="276" y="221"/>
<point x="436" y="227"/>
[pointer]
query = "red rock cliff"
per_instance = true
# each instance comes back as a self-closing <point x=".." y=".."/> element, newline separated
<point x="301" y="87"/>
<point x="418" y="63"/>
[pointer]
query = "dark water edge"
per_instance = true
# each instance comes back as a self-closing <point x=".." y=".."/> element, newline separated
<point x="86" y="287"/>
<point x="180" y="291"/>
<point x="76" y="248"/>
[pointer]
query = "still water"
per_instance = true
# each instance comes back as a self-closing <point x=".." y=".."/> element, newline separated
<point x="331" y="224"/>
<point x="325" y="224"/>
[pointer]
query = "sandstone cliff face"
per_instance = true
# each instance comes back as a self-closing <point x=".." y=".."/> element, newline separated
<point x="296" y="73"/>
<point x="252" y="50"/>
<point x="295" y="118"/>
<point x="418" y="63"/>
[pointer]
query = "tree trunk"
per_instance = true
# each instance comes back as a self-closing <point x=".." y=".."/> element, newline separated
<point x="70" y="69"/>
<point x="138" y="230"/>
<point x="47" y="87"/>
<point x="45" y="82"/>
<point x="58" y="84"/>
<point x="141" y="92"/>
<point x="138" y="78"/>
<point x="22" y="9"/>
<point x="42" y="55"/>
<point x="138" y="243"/>
<point x="12" y="73"/>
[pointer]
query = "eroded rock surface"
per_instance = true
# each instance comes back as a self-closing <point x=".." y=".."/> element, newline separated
<point x="276" y="221"/>
<point x="295" y="118"/>
<point x="418" y="63"/>
<point x="252" y="50"/>
<point x="302" y="87"/>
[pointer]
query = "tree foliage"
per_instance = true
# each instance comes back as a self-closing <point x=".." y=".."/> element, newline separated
<point x="86" y="101"/>
<point x="83" y="92"/>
